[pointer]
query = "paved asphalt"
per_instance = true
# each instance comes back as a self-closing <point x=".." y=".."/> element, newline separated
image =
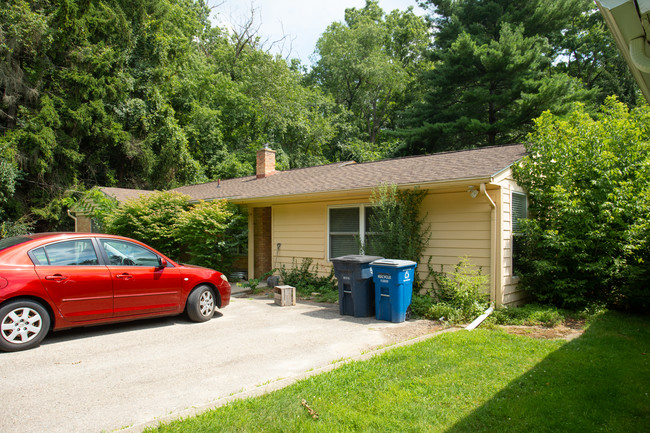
<point x="130" y="375"/>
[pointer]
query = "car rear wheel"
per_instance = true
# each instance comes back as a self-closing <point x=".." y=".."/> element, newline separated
<point x="23" y="325"/>
<point x="201" y="304"/>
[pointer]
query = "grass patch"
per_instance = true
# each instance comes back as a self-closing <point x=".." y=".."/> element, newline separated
<point x="480" y="381"/>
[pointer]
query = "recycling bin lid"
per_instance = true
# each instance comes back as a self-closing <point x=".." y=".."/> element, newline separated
<point x="393" y="263"/>
<point x="353" y="258"/>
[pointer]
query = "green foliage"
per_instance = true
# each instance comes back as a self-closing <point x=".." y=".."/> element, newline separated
<point x="151" y="219"/>
<point x="460" y="295"/>
<point x="588" y="180"/>
<point x="590" y="54"/>
<point x="15" y="228"/>
<point x="206" y="234"/>
<point x="307" y="281"/>
<point x="398" y="230"/>
<point x="530" y="315"/>
<point x="368" y="64"/>
<point x="211" y="233"/>
<point x="253" y="283"/>
<point x="493" y="74"/>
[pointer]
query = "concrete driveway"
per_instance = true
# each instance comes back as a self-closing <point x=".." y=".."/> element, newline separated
<point x="126" y="376"/>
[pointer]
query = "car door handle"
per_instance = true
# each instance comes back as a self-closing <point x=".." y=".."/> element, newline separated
<point x="125" y="276"/>
<point x="56" y="277"/>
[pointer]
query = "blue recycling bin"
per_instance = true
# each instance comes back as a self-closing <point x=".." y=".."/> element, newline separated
<point x="393" y="288"/>
<point x="356" y="288"/>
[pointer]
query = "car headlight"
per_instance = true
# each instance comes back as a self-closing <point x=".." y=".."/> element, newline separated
<point x="223" y="277"/>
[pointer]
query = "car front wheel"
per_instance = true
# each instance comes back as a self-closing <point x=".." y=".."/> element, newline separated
<point x="23" y="325"/>
<point x="201" y="304"/>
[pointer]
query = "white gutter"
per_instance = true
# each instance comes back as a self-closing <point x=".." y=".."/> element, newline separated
<point x="638" y="55"/>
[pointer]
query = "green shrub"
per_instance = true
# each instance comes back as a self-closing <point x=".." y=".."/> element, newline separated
<point x="307" y="281"/>
<point x="151" y="219"/>
<point x="588" y="183"/>
<point x="211" y="233"/>
<point x="397" y="226"/>
<point x="461" y="291"/>
<point x="420" y="305"/>
<point x="529" y="314"/>
<point x="205" y="234"/>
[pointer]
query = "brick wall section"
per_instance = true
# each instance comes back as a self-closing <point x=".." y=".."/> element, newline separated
<point x="83" y="224"/>
<point x="262" y="240"/>
<point x="265" y="163"/>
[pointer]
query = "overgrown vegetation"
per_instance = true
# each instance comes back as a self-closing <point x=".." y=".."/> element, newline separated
<point x="588" y="183"/>
<point x="397" y="228"/>
<point x="306" y="280"/>
<point x="205" y="234"/>
<point x="466" y="382"/>
<point x="456" y="297"/>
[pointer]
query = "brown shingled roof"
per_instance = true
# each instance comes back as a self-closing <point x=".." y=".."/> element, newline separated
<point x="347" y="176"/>
<point x="124" y="194"/>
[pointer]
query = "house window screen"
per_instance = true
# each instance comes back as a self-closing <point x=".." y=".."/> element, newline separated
<point x="519" y="212"/>
<point x="344" y="230"/>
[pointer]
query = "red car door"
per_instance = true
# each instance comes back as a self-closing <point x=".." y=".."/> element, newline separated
<point x="140" y="285"/>
<point x="80" y="287"/>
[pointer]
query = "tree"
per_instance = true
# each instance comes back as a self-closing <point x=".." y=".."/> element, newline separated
<point x="368" y="63"/>
<point x="493" y="74"/>
<point x="588" y="180"/>
<point x="588" y="52"/>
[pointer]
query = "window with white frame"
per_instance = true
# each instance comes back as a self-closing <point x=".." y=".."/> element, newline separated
<point x="349" y="230"/>
<point x="519" y="204"/>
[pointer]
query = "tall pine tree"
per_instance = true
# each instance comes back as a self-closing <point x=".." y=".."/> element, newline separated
<point x="493" y="73"/>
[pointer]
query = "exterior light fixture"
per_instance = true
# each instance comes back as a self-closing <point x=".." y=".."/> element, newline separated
<point x="473" y="192"/>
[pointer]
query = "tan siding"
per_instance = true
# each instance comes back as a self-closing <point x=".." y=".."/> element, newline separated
<point x="460" y="226"/>
<point x="301" y="230"/>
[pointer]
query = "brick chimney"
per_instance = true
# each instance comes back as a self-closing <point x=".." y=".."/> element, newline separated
<point x="265" y="162"/>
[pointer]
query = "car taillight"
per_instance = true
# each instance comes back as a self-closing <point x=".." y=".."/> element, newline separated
<point x="223" y="277"/>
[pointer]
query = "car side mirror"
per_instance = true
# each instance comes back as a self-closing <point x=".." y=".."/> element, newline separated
<point x="162" y="262"/>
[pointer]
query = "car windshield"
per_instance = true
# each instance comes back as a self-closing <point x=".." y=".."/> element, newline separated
<point x="10" y="242"/>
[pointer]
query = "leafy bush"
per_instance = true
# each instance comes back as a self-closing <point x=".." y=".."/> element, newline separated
<point x="588" y="181"/>
<point x="205" y="234"/>
<point x="397" y="227"/>
<point x="307" y="281"/>
<point x="151" y="219"/>
<point x="460" y="295"/>
<point x="211" y="233"/>
<point x="530" y="314"/>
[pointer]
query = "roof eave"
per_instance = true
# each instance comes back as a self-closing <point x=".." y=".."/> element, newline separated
<point x="624" y="23"/>
<point x="365" y="190"/>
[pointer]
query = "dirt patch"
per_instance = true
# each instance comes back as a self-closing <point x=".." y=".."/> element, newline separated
<point x="411" y="329"/>
<point x="567" y="331"/>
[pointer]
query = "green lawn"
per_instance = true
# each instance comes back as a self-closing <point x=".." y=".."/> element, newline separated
<point x="480" y="381"/>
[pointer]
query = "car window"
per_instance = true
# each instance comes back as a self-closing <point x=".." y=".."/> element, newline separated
<point x="123" y="253"/>
<point x="79" y="252"/>
<point x="10" y="242"/>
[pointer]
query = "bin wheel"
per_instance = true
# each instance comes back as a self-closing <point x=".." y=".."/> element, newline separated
<point x="408" y="313"/>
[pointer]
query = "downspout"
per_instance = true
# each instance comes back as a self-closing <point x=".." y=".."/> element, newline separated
<point x="74" y="218"/>
<point x="638" y="55"/>
<point x="493" y="247"/>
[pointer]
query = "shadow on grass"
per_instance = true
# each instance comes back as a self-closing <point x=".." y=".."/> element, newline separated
<point x="598" y="382"/>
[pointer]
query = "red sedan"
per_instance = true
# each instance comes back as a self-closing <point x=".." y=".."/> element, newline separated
<point x="61" y="280"/>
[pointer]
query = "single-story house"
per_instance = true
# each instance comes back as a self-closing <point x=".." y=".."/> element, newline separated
<point x="471" y="204"/>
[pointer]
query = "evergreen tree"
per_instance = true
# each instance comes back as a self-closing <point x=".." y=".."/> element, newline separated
<point x="493" y="74"/>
